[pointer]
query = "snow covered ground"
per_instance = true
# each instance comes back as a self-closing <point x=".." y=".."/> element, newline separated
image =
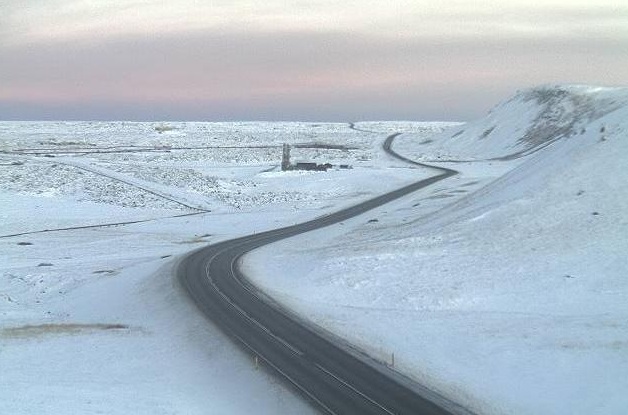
<point x="504" y="287"/>
<point x="92" y="219"/>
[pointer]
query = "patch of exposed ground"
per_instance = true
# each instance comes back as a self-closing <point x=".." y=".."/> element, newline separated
<point x="29" y="331"/>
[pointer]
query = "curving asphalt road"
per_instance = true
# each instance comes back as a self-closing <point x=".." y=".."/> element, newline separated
<point x="332" y="375"/>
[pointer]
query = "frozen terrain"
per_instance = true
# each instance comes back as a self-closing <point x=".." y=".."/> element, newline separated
<point x="92" y="218"/>
<point x="504" y="287"/>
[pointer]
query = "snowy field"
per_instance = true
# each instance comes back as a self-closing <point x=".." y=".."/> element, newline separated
<point x="503" y="288"/>
<point x="93" y="218"/>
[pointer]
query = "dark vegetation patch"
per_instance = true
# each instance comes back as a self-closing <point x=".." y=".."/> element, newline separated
<point x="58" y="329"/>
<point x="443" y="196"/>
<point x="487" y="132"/>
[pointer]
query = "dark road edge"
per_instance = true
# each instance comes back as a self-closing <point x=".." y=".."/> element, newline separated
<point x="328" y="372"/>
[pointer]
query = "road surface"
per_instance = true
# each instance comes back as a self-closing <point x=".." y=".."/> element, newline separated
<point x="332" y="375"/>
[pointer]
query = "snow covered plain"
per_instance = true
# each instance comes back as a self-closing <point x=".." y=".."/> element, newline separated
<point x="92" y="218"/>
<point x="505" y="287"/>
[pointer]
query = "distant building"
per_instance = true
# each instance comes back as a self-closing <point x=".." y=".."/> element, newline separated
<point x="304" y="166"/>
<point x="286" y="165"/>
<point x="311" y="166"/>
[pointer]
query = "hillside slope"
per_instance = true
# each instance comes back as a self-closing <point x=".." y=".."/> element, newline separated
<point x="526" y="123"/>
<point x="504" y="288"/>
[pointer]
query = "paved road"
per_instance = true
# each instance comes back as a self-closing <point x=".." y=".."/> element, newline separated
<point x="333" y="376"/>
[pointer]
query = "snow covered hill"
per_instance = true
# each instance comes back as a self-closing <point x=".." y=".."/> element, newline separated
<point x="526" y="123"/>
<point x="504" y="287"/>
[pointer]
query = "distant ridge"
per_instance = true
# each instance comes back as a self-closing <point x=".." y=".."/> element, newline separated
<point x="527" y="122"/>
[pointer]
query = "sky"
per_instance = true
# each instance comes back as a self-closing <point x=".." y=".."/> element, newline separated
<point x="307" y="60"/>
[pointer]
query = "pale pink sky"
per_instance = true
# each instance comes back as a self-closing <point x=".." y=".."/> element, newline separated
<point x="297" y="60"/>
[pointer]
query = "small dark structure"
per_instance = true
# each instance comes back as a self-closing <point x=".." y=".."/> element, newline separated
<point x="285" y="159"/>
<point x="286" y="165"/>
<point x="311" y="166"/>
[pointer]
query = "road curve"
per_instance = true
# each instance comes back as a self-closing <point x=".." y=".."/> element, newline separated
<point x="332" y="375"/>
